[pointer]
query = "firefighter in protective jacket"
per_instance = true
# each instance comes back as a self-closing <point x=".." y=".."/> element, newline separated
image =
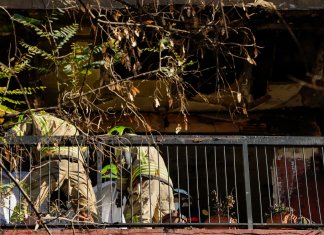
<point x="143" y="175"/>
<point x="63" y="166"/>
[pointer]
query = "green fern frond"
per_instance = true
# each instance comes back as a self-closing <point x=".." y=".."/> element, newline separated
<point x="36" y="50"/>
<point x="95" y="64"/>
<point x="11" y="100"/>
<point x="29" y="22"/>
<point x="66" y="33"/>
<point x="43" y="70"/>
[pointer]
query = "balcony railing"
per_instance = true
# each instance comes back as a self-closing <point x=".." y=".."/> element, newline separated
<point x="260" y="172"/>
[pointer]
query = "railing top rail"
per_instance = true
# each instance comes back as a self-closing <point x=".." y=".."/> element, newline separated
<point x="170" y="140"/>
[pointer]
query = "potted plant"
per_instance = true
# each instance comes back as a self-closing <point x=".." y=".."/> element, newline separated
<point x="221" y="212"/>
<point x="281" y="214"/>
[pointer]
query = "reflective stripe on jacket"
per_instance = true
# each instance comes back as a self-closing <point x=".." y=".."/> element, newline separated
<point x="48" y="125"/>
<point x="147" y="162"/>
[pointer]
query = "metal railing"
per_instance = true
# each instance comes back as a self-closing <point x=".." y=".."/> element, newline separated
<point x="258" y="171"/>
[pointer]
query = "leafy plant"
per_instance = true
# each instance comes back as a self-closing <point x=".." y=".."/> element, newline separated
<point x="6" y="189"/>
<point x="275" y="209"/>
<point x="223" y="208"/>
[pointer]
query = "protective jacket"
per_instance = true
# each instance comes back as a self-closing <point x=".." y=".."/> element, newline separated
<point x="140" y="161"/>
<point x="48" y="125"/>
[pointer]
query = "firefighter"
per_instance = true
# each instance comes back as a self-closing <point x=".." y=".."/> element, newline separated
<point x="110" y="212"/>
<point x="55" y="166"/>
<point x="148" y="184"/>
<point x="183" y="206"/>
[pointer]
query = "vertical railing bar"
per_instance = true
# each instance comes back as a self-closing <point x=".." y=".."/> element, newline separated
<point x="179" y="200"/>
<point x="40" y="177"/>
<point x="122" y="181"/>
<point x="187" y="165"/>
<point x="10" y="172"/>
<point x="58" y="179"/>
<point x="88" y="184"/>
<point x="247" y="185"/>
<point x="207" y="185"/>
<point x="297" y="182"/>
<point x="20" y="166"/>
<point x="2" y="182"/>
<point x="69" y="176"/>
<point x="277" y="183"/>
<point x="266" y="161"/>
<point x="310" y="215"/>
<point x="30" y="179"/>
<point x="49" y="184"/>
<point x="158" y="154"/>
<point x="148" y="153"/>
<point x="169" y="183"/>
<point x="226" y="189"/>
<point x="216" y="184"/>
<point x="197" y="183"/>
<point x="260" y="200"/>
<point x="140" y="168"/>
<point x="78" y="205"/>
<point x="237" y="210"/>
<point x="111" y="197"/>
<point x="99" y="181"/>
<point x="318" y="203"/>
<point x="131" y="188"/>
<point x="287" y="184"/>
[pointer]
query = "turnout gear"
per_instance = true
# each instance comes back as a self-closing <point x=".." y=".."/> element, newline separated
<point x="57" y="167"/>
<point x="137" y="168"/>
<point x="110" y="172"/>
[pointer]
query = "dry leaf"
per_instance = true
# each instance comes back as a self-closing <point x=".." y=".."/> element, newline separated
<point x="83" y="9"/>
<point x="107" y="59"/>
<point x="170" y="102"/>
<point x="130" y="119"/>
<point x="137" y="32"/>
<point x="130" y="96"/>
<point x="103" y="50"/>
<point x="117" y="87"/>
<point x="171" y="8"/>
<point x="250" y="60"/>
<point x="247" y="15"/>
<point x="94" y="27"/>
<point x="186" y="124"/>
<point x="111" y="87"/>
<point x="88" y="5"/>
<point x="39" y="146"/>
<point x="136" y="90"/>
<point x="148" y="22"/>
<point x="222" y="31"/>
<point x="255" y="53"/>
<point x="156" y="103"/>
<point x="239" y="97"/>
<point x="255" y="64"/>
<point x="178" y="129"/>
<point x="139" y="52"/>
<point x="148" y="127"/>
<point x="244" y="110"/>
<point x="126" y="33"/>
